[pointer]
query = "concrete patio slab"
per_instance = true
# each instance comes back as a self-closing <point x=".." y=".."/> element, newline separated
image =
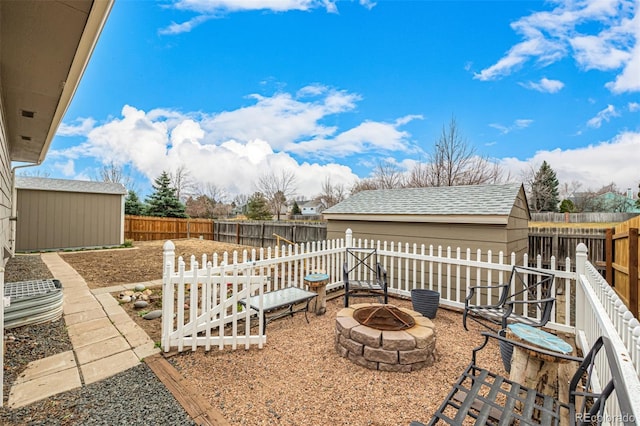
<point x="72" y="308"/>
<point x="84" y="316"/>
<point x="93" y="336"/>
<point x="104" y="290"/>
<point x="25" y="393"/>
<point x="120" y="318"/>
<point x="101" y="349"/>
<point x="89" y="326"/>
<point x="146" y="350"/>
<point x="49" y="365"/>
<point x="107" y="367"/>
<point x="106" y="299"/>
<point x="136" y="336"/>
<point x="114" y="310"/>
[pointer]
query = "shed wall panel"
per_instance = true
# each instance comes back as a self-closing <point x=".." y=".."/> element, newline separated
<point x="56" y="219"/>
<point x="473" y="236"/>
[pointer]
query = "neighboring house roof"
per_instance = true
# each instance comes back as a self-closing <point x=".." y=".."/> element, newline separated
<point x="310" y="204"/>
<point x="67" y="185"/>
<point x="46" y="46"/>
<point x="451" y="201"/>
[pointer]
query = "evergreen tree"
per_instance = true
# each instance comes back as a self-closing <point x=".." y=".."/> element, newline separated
<point x="258" y="208"/>
<point x="295" y="210"/>
<point x="567" y="206"/>
<point x="544" y="190"/>
<point x="132" y="204"/>
<point x="163" y="202"/>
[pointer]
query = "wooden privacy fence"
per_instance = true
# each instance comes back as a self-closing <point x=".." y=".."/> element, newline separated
<point x="268" y="234"/>
<point x="562" y="242"/>
<point x="622" y="262"/>
<point x="147" y="228"/>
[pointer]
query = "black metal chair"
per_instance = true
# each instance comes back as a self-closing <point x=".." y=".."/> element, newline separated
<point x="481" y="397"/>
<point x="363" y="275"/>
<point x="526" y="298"/>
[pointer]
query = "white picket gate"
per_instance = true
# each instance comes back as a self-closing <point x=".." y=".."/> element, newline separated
<point x="215" y="317"/>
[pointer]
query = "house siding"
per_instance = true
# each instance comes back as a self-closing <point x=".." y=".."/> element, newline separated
<point x="5" y="188"/>
<point x="55" y="219"/>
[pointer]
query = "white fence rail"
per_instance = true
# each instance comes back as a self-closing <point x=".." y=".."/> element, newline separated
<point x="595" y="310"/>
<point x="215" y="317"/>
<point x="600" y="312"/>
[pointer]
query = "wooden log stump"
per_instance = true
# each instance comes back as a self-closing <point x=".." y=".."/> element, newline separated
<point x="318" y="282"/>
<point x="535" y="370"/>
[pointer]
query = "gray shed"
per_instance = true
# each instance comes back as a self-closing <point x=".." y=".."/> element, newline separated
<point x="60" y="214"/>
<point x="485" y="217"/>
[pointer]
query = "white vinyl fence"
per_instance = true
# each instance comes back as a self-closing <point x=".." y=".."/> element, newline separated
<point x="600" y="312"/>
<point x="215" y="317"/>
<point x="449" y="271"/>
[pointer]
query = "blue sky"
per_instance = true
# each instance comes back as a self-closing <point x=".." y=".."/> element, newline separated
<point x="233" y="89"/>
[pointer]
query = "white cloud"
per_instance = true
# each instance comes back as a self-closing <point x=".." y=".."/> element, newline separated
<point x="634" y="106"/>
<point x="604" y="115"/>
<point x="544" y="85"/>
<point x="367" y="136"/>
<point x="82" y="128"/>
<point x="208" y="9"/>
<point x="549" y="36"/>
<point x="66" y="168"/>
<point x="594" y="166"/>
<point x="281" y="119"/>
<point x="233" y="148"/>
<point x="184" y="27"/>
<point x="521" y="123"/>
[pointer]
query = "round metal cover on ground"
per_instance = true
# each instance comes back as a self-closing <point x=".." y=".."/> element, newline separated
<point x="386" y="317"/>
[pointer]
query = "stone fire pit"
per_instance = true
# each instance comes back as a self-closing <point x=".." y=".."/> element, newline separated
<point x="377" y="345"/>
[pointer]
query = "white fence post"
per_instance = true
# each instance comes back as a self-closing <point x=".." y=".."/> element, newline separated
<point x="581" y="260"/>
<point x="168" y="261"/>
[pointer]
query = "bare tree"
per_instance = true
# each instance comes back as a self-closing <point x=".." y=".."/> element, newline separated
<point x="364" y="185"/>
<point x="277" y="188"/>
<point x="599" y="201"/>
<point x="183" y="182"/>
<point x="569" y="189"/>
<point x="388" y="175"/>
<point x="418" y="176"/>
<point x="115" y="173"/>
<point x="331" y="194"/>
<point x="454" y="162"/>
<point x="214" y="192"/>
<point x="35" y="173"/>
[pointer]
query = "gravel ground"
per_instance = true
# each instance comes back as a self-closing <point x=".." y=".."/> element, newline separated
<point x="299" y="379"/>
<point x="133" y="397"/>
<point x="296" y="379"/>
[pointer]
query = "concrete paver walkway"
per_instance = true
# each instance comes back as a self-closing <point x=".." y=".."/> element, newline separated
<point x="105" y="340"/>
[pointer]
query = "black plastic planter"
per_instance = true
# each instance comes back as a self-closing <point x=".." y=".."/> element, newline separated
<point x="425" y="301"/>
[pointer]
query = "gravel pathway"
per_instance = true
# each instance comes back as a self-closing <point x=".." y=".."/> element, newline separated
<point x="133" y="397"/>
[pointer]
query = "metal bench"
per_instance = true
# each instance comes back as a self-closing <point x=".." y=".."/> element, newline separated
<point x="526" y="298"/>
<point x="481" y="397"/>
<point x="282" y="301"/>
<point x="363" y="275"/>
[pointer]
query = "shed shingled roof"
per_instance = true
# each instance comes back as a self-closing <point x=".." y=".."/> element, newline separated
<point x="67" y="185"/>
<point x="443" y="200"/>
